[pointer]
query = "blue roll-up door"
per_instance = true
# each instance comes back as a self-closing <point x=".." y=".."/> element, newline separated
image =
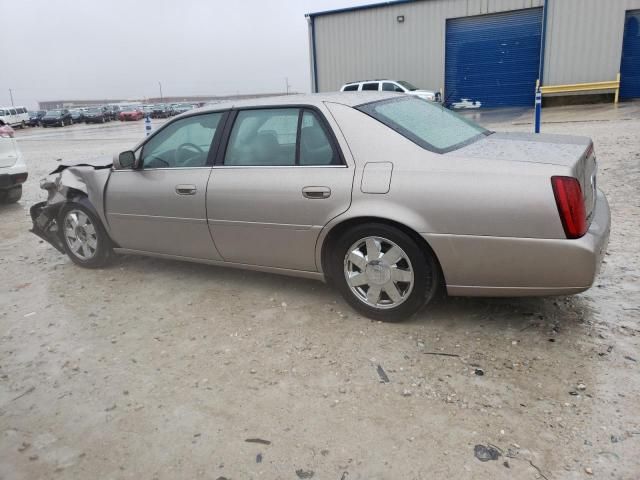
<point x="493" y="60"/>
<point x="630" y="64"/>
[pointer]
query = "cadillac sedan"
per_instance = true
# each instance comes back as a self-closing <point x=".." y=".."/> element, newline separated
<point x="386" y="196"/>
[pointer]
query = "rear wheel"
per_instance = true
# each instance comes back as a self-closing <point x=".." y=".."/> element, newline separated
<point x="12" y="195"/>
<point x="83" y="236"/>
<point x="382" y="272"/>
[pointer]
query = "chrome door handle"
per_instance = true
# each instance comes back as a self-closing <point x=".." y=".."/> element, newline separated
<point x="316" y="192"/>
<point x="186" y="189"/>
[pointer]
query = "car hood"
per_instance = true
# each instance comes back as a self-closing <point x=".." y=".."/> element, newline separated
<point x="423" y="92"/>
<point x="527" y="147"/>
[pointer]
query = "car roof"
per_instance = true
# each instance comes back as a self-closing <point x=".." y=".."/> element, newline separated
<point x="372" y="80"/>
<point x="350" y="99"/>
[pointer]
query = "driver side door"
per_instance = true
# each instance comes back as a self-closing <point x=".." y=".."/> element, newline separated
<point x="159" y="206"/>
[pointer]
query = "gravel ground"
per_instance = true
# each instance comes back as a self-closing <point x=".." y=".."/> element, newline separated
<point x="156" y="369"/>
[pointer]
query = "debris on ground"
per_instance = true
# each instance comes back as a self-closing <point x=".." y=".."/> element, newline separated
<point x="258" y="440"/>
<point x="259" y="458"/>
<point x="382" y="374"/>
<point x="305" y="473"/>
<point x="486" y="453"/>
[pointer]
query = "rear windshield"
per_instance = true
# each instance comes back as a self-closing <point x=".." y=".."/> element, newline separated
<point x="427" y="124"/>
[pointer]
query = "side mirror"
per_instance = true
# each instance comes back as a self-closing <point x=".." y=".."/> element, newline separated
<point x="124" y="160"/>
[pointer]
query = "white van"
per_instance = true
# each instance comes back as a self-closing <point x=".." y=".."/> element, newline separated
<point x="14" y="116"/>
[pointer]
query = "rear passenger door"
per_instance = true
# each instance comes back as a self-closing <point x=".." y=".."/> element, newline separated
<point x="281" y="178"/>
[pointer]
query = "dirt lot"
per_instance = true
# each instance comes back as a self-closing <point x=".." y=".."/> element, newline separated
<point x="155" y="369"/>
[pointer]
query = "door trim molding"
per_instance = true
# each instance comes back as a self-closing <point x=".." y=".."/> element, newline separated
<point x="220" y="263"/>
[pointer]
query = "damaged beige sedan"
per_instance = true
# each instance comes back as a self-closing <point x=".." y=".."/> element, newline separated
<point x="386" y="196"/>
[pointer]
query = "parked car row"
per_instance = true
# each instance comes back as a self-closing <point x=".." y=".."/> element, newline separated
<point x="96" y="114"/>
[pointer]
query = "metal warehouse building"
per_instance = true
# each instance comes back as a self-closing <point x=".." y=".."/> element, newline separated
<point x="485" y="53"/>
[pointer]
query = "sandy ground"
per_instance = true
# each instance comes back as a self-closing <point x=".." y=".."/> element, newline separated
<point x="156" y="369"/>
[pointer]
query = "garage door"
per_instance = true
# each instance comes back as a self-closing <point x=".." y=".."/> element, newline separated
<point x="630" y="64"/>
<point x="493" y="60"/>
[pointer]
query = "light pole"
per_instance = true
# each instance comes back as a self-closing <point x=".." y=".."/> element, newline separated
<point x="11" y="95"/>
<point x="286" y="84"/>
<point x="161" y="97"/>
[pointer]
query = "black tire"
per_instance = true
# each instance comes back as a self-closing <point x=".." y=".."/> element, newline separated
<point x="426" y="273"/>
<point x="11" y="195"/>
<point x="103" y="254"/>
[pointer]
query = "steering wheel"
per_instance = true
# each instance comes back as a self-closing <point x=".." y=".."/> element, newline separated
<point x="190" y="149"/>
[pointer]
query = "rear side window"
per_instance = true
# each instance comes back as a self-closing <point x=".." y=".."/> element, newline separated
<point x="350" y="88"/>
<point x="315" y="146"/>
<point x="13" y="112"/>
<point x="263" y="137"/>
<point x="429" y="125"/>
<point x="280" y="137"/>
<point x="370" y="86"/>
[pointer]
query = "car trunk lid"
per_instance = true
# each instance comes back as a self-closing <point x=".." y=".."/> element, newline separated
<point x="574" y="152"/>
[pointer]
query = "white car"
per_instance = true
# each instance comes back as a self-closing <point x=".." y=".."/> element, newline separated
<point x="399" y="86"/>
<point x="13" y="170"/>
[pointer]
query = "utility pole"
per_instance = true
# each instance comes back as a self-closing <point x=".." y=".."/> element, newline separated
<point x="286" y="83"/>
<point x="161" y="97"/>
<point x="11" y="95"/>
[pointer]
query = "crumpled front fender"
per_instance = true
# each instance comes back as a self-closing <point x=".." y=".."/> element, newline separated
<point x="83" y="183"/>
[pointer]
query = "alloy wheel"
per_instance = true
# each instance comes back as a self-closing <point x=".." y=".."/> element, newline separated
<point x="80" y="234"/>
<point x="378" y="272"/>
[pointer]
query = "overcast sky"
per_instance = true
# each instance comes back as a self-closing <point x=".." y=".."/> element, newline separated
<point x="83" y="49"/>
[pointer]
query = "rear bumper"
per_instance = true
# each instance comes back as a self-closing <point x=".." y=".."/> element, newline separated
<point x="509" y="267"/>
<point x="12" y="180"/>
<point x="14" y="175"/>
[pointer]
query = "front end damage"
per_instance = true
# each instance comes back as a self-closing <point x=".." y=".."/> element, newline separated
<point x="83" y="183"/>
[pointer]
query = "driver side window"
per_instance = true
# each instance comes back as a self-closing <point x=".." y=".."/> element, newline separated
<point x="182" y="144"/>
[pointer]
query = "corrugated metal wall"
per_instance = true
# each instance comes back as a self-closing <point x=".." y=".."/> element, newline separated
<point x="584" y="40"/>
<point x="367" y="44"/>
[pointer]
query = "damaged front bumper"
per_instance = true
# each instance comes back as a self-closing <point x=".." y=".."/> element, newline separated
<point x="45" y="224"/>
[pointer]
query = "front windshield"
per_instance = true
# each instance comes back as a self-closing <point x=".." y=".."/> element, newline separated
<point x="53" y="113"/>
<point x="94" y="110"/>
<point x="407" y="85"/>
<point x="427" y="124"/>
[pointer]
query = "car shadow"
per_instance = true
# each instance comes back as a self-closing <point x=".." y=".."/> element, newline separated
<point x="546" y="315"/>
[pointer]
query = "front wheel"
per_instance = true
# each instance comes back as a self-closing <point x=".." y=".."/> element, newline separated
<point x="382" y="272"/>
<point x="83" y="236"/>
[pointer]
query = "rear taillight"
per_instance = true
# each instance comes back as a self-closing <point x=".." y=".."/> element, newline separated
<point x="570" y="204"/>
